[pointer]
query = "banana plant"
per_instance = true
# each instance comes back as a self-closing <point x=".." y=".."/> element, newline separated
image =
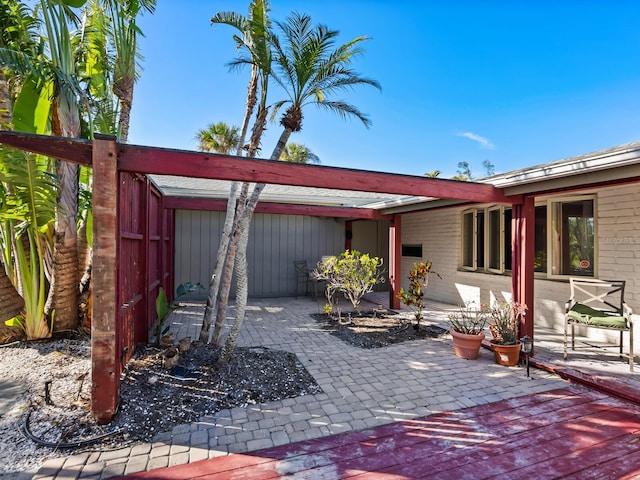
<point x="30" y="205"/>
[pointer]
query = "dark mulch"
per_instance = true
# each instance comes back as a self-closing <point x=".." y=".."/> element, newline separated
<point x="373" y="329"/>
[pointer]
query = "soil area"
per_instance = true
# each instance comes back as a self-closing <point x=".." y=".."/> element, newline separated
<point x="376" y="328"/>
<point x="45" y="407"/>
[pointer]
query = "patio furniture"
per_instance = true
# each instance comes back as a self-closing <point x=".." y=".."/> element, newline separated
<point x="303" y="277"/>
<point x="598" y="304"/>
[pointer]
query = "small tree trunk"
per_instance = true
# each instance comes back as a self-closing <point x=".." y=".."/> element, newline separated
<point x="214" y="284"/>
<point x="242" y="290"/>
<point x="227" y="273"/>
<point x="225" y="289"/>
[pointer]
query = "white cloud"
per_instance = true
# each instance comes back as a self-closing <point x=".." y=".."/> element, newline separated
<point x="484" y="142"/>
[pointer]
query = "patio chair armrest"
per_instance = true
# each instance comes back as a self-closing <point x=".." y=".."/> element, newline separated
<point x="627" y="311"/>
<point x="569" y="304"/>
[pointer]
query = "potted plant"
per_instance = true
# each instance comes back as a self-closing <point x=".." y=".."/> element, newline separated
<point x="467" y="330"/>
<point x="505" y="319"/>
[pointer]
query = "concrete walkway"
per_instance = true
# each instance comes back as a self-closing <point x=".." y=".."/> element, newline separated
<point x="361" y="389"/>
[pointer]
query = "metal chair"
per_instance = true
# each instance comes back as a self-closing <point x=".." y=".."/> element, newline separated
<point x="598" y="304"/>
<point x="303" y="279"/>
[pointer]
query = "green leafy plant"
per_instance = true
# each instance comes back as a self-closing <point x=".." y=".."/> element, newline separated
<point x="413" y="297"/>
<point x="28" y="208"/>
<point x="469" y="320"/>
<point x="353" y="274"/>
<point x="163" y="309"/>
<point x="505" y="319"/>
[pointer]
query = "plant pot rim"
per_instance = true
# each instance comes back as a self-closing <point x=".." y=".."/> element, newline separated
<point x="452" y="331"/>
<point x="495" y="342"/>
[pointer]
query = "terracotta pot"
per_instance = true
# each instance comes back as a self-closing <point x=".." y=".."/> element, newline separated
<point x="508" y="355"/>
<point x="466" y="346"/>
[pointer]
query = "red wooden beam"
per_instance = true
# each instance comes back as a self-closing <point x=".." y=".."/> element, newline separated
<point x="153" y="160"/>
<point x="219" y="205"/>
<point x="395" y="257"/>
<point x="105" y="359"/>
<point x="522" y="268"/>
<point x="68" y="149"/>
<point x="134" y="158"/>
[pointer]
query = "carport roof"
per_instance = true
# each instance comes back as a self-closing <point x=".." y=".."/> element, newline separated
<point x="619" y="162"/>
<point x="201" y="188"/>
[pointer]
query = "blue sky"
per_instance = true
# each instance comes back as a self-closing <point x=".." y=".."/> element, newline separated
<point x="515" y="83"/>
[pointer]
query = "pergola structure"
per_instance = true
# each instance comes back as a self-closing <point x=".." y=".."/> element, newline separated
<point x="117" y="324"/>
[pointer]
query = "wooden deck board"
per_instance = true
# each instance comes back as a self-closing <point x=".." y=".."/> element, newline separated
<point x="572" y="432"/>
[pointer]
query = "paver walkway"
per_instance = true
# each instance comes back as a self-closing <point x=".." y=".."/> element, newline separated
<point x="566" y="433"/>
<point x="362" y="390"/>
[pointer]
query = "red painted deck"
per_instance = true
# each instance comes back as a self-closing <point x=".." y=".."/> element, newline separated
<point x="572" y="432"/>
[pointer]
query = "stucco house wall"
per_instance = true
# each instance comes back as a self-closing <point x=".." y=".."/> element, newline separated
<point x="617" y="218"/>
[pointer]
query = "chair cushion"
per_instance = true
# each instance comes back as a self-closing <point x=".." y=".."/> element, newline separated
<point x="586" y="315"/>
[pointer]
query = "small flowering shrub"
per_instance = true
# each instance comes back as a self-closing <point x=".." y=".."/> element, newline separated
<point x="505" y="320"/>
<point x="353" y="274"/>
<point x="414" y="296"/>
<point x="469" y="319"/>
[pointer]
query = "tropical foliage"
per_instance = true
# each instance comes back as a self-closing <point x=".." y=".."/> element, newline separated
<point x="218" y="137"/>
<point x="63" y="73"/>
<point x="298" y="153"/>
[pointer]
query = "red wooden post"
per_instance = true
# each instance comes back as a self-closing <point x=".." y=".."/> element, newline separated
<point x="105" y="361"/>
<point x="348" y="234"/>
<point x="522" y="268"/>
<point x="395" y="256"/>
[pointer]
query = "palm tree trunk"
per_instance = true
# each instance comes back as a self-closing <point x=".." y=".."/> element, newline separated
<point x="241" y="269"/>
<point x="5" y="103"/>
<point x="225" y="289"/>
<point x="64" y="292"/>
<point x="125" y="116"/>
<point x="227" y="273"/>
<point x="242" y="289"/>
<point x="222" y="276"/>
<point x="214" y="283"/>
<point x="282" y="143"/>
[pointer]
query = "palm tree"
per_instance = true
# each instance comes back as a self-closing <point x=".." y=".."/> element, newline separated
<point x="218" y="137"/>
<point x="125" y="32"/>
<point x="298" y="153"/>
<point x="434" y="174"/>
<point x="310" y="69"/>
<point x="255" y="52"/>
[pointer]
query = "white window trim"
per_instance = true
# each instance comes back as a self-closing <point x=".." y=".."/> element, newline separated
<point x="550" y="245"/>
<point x="500" y="209"/>
<point x="474" y="239"/>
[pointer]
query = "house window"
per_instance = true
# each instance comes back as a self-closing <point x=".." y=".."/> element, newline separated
<point x="473" y="239"/>
<point x="495" y="235"/>
<point x="573" y="238"/>
<point x="507" y="239"/>
<point x="540" y="239"/>
<point x="412" y="251"/>
<point x="564" y="238"/>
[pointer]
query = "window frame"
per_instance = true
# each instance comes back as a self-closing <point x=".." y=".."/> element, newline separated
<point x="474" y="240"/>
<point x="501" y="231"/>
<point x="552" y="222"/>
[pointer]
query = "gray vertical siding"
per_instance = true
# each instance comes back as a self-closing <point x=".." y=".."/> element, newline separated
<point x="372" y="237"/>
<point x="275" y="242"/>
